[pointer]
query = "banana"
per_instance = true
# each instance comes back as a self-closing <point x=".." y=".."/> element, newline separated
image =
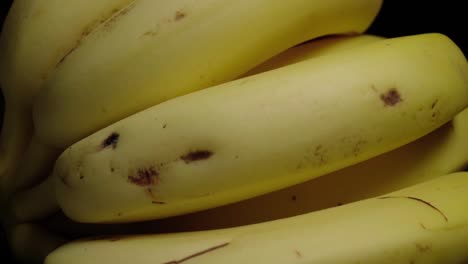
<point x="314" y="48"/>
<point x="265" y="132"/>
<point x="425" y="223"/>
<point x="152" y="51"/>
<point x="443" y="151"/>
<point x="36" y="36"/>
<point x="440" y="152"/>
<point x="31" y="243"/>
<point x="44" y="206"/>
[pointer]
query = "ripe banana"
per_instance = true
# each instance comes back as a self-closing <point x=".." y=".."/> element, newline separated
<point x="426" y="223"/>
<point x="36" y="35"/>
<point x="443" y="151"/>
<point x="314" y="48"/>
<point x="43" y="205"/>
<point x="265" y="132"/>
<point x="152" y="51"/>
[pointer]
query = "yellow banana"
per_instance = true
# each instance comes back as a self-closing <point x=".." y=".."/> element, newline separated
<point x="314" y="48"/>
<point x="156" y="50"/>
<point x="265" y="132"/>
<point x="36" y="35"/>
<point x="443" y="151"/>
<point x="426" y="223"/>
<point x="42" y="204"/>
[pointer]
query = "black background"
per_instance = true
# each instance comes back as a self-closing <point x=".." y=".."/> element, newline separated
<point x="396" y="18"/>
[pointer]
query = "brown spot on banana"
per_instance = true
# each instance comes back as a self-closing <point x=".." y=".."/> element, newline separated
<point x="423" y="248"/>
<point x="144" y="177"/>
<point x="196" y="155"/>
<point x="180" y="14"/>
<point x="391" y="97"/>
<point x="154" y="199"/>
<point x="111" y="141"/>
<point x="434" y="103"/>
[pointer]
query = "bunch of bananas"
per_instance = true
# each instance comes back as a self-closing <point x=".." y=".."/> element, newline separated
<point x="222" y="131"/>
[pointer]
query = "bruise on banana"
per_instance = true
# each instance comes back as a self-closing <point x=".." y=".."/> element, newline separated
<point x="145" y="177"/>
<point x="149" y="176"/>
<point x="196" y="155"/>
<point x="179" y="14"/>
<point x="391" y="97"/>
<point x="111" y="141"/>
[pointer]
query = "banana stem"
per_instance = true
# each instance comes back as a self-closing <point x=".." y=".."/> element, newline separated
<point x="31" y="243"/>
<point x="40" y="160"/>
<point x="35" y="203"/>
<point x="15" y="134"/>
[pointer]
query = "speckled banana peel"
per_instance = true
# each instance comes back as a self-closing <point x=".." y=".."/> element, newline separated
<point x="425" y="223"/>
<point x="35" y="36"/>
<point x="152" y="51"/>
<point x="35" y="202"/>
<point x="265" y="132"/>
<point x="442" y="151"/>
<point x="135" y="59"/>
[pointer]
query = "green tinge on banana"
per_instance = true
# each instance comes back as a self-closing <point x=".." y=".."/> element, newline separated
<point x="265" y="132"/>
<point x="425" y="223"/>
<point x="314" y="48"/>
<point x="36" y="35"/>
<point x="153" y="51"/>
<point x="442" y="151"/>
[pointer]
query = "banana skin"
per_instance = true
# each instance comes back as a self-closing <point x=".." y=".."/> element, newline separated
<point x="425" y="223"/>
<point x="442" y="151"/>
<point x="35" y="37"/>
<point x="153" y="51"/>
<point x="265" y="132"/>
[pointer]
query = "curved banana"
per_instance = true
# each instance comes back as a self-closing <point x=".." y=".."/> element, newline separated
<point x="31" y="243"/>
<point x="314" y="48"/>
<point x="265" y="132"/>
<point x="425" y="223"/>
<point x="442" y="151"/>
<point x="306" y="51"/>
<point x="36" y="36"/>
<point x="156" y="50"/>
